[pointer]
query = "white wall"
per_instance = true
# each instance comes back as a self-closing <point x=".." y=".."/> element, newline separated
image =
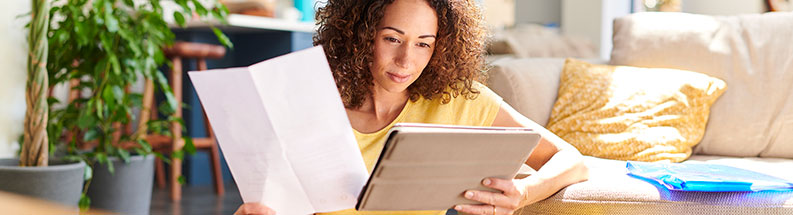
<point x="611" y="10"/>
<point x="593" y="19"/>
<point x="538" y="11"/>
<point x="582" y="18"/>
<point x="499" y="13"/>
<point x="13" y="58"/>
<point x="723" y="7"/>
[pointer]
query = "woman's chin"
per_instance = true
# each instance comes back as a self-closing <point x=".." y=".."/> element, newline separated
<point x="393" y="87"/>
<point x="397" y="89"/>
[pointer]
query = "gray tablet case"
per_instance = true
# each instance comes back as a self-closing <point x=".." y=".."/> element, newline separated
<point x="428" y="167"/>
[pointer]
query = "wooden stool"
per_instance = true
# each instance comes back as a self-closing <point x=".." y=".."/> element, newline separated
<point x="176" y="53"/>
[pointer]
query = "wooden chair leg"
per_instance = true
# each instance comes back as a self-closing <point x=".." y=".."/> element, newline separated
<point x="216" y="173"/>
<point x="176" y="188"/>
<point x="202" y="64"/>
<point x="176" y="129"/>
<point x="159" y="173"/>
<point x="214" y="154"/>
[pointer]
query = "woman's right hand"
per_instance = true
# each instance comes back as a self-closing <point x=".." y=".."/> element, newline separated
<point x="254" y="208"/>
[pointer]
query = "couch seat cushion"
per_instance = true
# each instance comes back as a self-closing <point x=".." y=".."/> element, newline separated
<point x="610" y="190"/>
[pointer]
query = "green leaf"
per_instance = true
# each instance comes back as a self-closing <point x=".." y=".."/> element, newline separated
<point x="199" y="8"/>
<point x="129" y="3"/>
<point x="169" y="98"/>
<point x="136" y="99"/>
<point x="179" y="17"/>
<point x="163" y="158"/>
<point x="189" y="147"/>
<point x="182" y="179"/>
<point x="88" y="174"/>
<point x="110" y="168"/>
<point x="72" y="158"/>
<point x="61" y="36"/>
<point x="165" y="109"/>
<point x="114" y="64"/>
<point x="179" y="154"/>
<point x="86" y="120"/>
<point x="90" y="134"/>
<point x="184" y="5"/>
<point x="102" y="158"/>
<point x="106" y="44"/>
<point x="124" y="154"/>
<point x="85" y="202"/>
<point x="140" y="152"/>
<point x="222" y="38"/>
<point x="52" y="100"/>
<point x="145" y="146"/>
<point x="107" y="94"/>
<point x="118" y="93"/>
<point x="80" y="31"/>
<point x="99" y="110"/>
<point x="132" y="42"/>
<point x="224" y="11"/>
<point x="110" y="21"/>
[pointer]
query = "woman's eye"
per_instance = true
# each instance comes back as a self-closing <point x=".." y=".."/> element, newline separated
<point x="391" y="39"/>
<point x="425" y="45"/>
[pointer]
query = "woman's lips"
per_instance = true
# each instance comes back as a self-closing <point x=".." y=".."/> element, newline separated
<point x="397" y="77"/>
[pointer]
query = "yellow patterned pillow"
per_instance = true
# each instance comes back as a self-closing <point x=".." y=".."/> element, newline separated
<point x="630" y="113"/>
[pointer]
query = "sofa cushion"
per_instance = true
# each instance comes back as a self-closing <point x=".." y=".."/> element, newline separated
<point x="610" y="190"/>
<point x="631" y="113"/>
<point x="752" y="53"/>
<point x="528" y="84"/>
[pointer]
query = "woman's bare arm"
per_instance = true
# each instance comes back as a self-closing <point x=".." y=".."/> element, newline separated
<point x="558" y="163"/>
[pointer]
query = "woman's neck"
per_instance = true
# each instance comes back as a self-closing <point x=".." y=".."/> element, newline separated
<point x="384" y="104"/>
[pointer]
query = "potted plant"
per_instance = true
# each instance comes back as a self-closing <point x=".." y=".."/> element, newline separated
<point x="34" y="173"/>
<point x="101" y="47"/>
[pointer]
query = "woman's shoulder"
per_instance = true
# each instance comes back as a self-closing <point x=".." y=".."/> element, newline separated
<point x="485" y="91"/>
<point x="477" y="110"/>
<point x="479" y="93"/>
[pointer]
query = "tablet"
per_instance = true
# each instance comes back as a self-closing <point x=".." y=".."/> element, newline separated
<point x="428" y="167"/>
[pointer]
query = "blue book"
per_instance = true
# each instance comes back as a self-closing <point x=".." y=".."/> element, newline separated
<point x="706" y="177"/>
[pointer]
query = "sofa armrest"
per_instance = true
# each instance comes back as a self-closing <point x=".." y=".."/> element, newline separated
<point x="527" y="84"/>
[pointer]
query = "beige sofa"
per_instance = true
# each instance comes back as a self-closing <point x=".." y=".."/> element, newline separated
<point x="750" y="126"/>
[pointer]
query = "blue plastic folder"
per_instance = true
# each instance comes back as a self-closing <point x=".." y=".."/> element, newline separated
<point x="706" y="177"/>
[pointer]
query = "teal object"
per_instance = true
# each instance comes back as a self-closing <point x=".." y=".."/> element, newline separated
<point x="706" y="177"/>
<point x="306" y="8"/>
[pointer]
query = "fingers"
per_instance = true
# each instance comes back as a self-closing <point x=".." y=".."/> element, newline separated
<point x="254" y="208"/>
<point x="506" y="186"/>
<point x="489" y="198"/>
<point x="508" y="200"/>
<point x="483" y="210"/>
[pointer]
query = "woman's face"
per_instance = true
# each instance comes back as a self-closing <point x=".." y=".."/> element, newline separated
<point x="403" y="44"/>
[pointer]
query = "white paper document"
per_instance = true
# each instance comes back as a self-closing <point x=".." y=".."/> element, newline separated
<point x="284" y="133"/>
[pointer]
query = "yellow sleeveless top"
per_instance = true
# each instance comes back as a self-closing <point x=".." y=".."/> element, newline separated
<point x="459" y="111"/>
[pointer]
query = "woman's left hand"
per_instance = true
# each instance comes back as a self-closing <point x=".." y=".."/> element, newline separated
<point x="510" y="198"/>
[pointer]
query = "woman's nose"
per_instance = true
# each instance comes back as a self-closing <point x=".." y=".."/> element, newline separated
<point x="403" y="57"/>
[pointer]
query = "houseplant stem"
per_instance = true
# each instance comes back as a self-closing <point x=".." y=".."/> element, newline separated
<point x="35" y="148"/>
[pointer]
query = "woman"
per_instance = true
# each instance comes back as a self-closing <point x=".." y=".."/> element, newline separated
<point x="419" y="61"/>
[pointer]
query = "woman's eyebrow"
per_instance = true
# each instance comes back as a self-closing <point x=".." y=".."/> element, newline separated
<point x="397" y="30"/>
<point x="403" y="33"/>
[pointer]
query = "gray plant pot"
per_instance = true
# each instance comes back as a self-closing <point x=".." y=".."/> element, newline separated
<point x="127" y="190"/>
<point x="60" y="182"/>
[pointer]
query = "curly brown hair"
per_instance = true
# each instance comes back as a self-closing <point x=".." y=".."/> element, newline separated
<point x="347" y="29"/>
